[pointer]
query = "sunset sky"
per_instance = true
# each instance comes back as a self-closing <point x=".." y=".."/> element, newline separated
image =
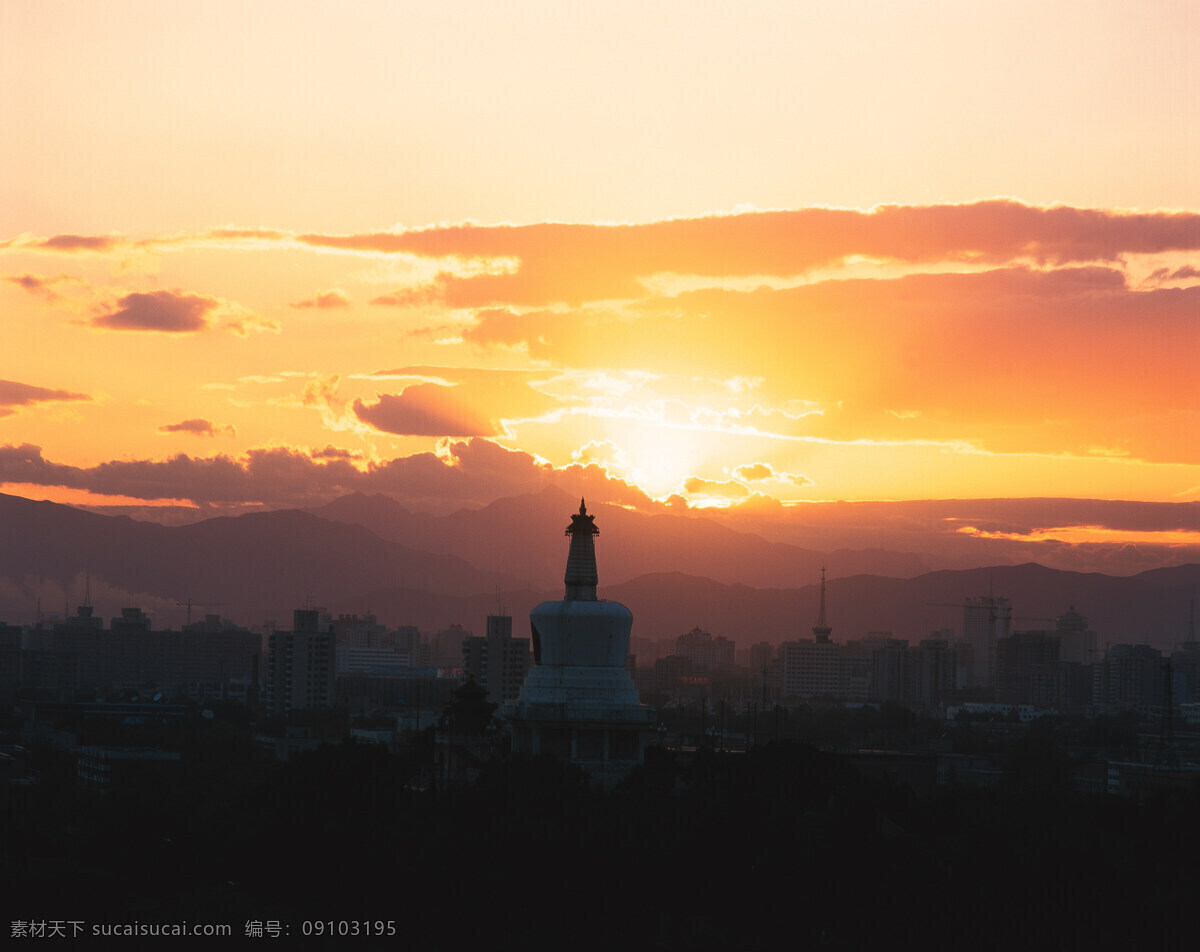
<point x="691" y="255"/>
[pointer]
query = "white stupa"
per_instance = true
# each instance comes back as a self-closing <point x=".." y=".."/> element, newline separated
<point x="579" y="702"/>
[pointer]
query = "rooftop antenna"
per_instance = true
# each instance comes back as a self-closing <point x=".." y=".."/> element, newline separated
<point x="1166" y="737"/>
<point x="821" y="613"/>
<point x="821" y="630"/>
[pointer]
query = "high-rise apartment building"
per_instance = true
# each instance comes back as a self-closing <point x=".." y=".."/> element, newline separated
<point x="498" y="662"/>
<point x="1130" y="678"/>
<point x="705" y="652"/>
<point x="1076" y="643"/>
<point x="301" y="666"/>
<point x="1017" y="657"/>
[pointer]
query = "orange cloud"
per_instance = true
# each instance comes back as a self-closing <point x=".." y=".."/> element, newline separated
<point x="1015" y="359"/>
<point x="335" y="452"/>
<point x="197" y="427"/>
<point x="1076" y="535"/>
<point x="77" y="243"/>
<point x="109" y="244"/>
<point x="1161" y="276"/>
<point x="14" y="394"/>
<point x="325" y="300"/>
<point x="244" y="322"/>
<point x="469" y="401"/>
<point x="722" y="489"/>
<point x="168" y="312"/>
<point x="754" y="471"/>
<point x="572" y="264"/>
<point x="527" y="331"/>
<point x="264" y="476"/>
<point x="36" y="284"/>
<point x="602" y="452"/>
<point x="1066" y="358"/>
<point x="233" y="234"/>
<point x="760" y="472"/>
<point x="462" y="473"/>
<point x="178" y="312"/>
<point x="424" y="410"/>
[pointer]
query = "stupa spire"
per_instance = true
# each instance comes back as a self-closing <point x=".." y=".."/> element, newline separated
<point x="581" y="575"/>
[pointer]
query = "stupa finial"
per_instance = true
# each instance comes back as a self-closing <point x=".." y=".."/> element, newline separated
<point x="581" y="575"/>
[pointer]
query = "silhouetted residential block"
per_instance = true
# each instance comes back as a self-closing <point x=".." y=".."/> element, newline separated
<point x="705" y="652"/>
<point x="1185" y="664"/>
<point x="301" y="667"/>
<point x="1130" y="678"/>
<point x="1076" y="642"/>
<point x="498" y="662"/>
<point x="1016" y="657"/>
<point x="131" y="619"/>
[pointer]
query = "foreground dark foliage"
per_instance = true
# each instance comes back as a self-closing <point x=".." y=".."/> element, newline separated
<point x="724" y="850"/>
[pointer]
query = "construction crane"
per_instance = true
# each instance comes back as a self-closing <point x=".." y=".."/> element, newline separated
<point x="189" y="603"/>
<point x="991" y="605"/>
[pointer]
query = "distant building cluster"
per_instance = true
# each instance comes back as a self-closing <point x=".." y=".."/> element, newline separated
<point x="1058" y="669"/>
<point x="319" y="662"/>
<point x="359" y="664"/>
<point x="573" y="688"/>
<point x="79" y="657"/>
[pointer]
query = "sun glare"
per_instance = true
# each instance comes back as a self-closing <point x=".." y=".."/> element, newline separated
<point x="661" y="456"/>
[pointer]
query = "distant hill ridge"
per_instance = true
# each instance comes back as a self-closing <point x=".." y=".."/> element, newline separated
<point x="518" y="534"/>
<point x="244" y="563"/>
<point x="369" y="553"/>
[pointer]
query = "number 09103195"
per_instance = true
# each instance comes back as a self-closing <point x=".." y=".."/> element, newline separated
<point x="349" y="927"/>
